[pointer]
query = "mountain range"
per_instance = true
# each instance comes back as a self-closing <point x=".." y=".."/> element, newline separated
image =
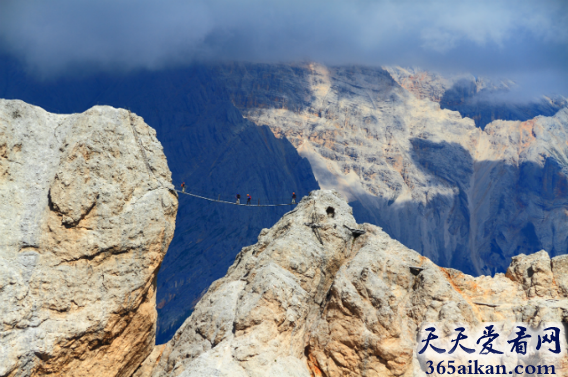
<point x="461" y="179"/>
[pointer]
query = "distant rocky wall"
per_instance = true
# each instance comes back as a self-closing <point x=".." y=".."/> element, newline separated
<point x="85" y="222"/>
<point x="466" y="197"/>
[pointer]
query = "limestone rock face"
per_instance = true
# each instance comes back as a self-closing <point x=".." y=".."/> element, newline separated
<point x="465" y="197"/>
<point x="422" y="84"/>
<point x="314" y="298"/>
<point x="85" y="225"/>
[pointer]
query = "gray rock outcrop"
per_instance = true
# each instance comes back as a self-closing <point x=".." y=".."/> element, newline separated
<point x="87" y="216"/>
<point x="315" y="297"/>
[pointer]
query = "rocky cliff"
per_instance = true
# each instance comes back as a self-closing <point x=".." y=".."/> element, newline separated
<point x="88" y="213"/>
<point x="315" y="297"/>
<point x="209" y="146"/>
<point x="466" y="197"/>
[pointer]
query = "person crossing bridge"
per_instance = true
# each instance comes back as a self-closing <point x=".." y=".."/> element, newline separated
<point x="238" y="199"/>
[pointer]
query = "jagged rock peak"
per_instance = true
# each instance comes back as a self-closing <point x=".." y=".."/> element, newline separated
<point x="88" y="213"/>
<point x="320" y="295"/>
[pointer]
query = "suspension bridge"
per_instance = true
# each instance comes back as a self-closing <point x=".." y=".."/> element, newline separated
<point x="218" y="200"/>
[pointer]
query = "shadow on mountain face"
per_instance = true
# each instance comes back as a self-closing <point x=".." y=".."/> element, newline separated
<point x="209" y="146"/>
<point x="266" y="85"/>
<point x="290" y="86"/>
<point x="485" y="106"/>
<point x="449" y="161"/>
<point x="497" y="210"/>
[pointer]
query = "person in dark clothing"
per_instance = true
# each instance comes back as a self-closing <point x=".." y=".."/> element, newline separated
<point x="249" y="198"/>
<point x="238" y="198"/>
<point x="183" y="187"/>
<point x="293" y="198"/>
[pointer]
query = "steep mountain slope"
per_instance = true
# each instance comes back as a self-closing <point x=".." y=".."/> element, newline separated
<point x="309" y="301"/>
<point x="85" y="224"/>
<point x="218" y="152"/>
<point x="477" y="98"/>
<point x="423" y="84"/>
<point x="209" y="146"/>
<point x="465" y="197"/>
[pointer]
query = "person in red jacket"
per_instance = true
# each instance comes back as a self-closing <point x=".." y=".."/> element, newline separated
<point x="183" y="187"/>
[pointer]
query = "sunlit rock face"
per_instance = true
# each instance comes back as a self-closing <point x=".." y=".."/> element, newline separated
<point x="466" y="197"/>
<point x="314" y="298"/>
<point x="85" y="223"/>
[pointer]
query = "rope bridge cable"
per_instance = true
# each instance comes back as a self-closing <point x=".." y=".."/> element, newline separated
<point x="234" y="203"/>
<point x="217" y="195"/>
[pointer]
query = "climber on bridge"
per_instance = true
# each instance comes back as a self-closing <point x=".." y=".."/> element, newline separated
<point x="238" y="197"/>
<point x="293" y="198"/>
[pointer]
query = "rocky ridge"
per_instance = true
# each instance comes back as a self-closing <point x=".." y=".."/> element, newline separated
<point x="465" y="197"/>
<point x="315" y="297"/>
<point x="88" y="213"/>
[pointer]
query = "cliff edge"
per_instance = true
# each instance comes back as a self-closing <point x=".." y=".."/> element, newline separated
<point x="88" y="213"/>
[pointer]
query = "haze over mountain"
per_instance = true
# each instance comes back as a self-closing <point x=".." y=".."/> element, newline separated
<point x="383" y="142"/>
<point x="474" y="97"/>
<point x="459" y="190"/>
<point x="526" y="42"/>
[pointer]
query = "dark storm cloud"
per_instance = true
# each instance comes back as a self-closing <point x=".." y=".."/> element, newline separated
<point x="514" y="39"/>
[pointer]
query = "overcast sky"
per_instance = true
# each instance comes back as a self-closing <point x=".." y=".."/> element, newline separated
<point x="526" y="41"/>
